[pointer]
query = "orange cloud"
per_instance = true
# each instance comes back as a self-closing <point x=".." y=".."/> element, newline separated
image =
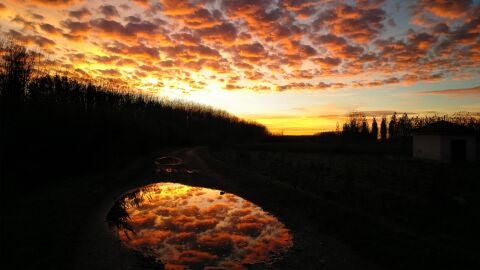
<point x="39" y="41"/>
<point x="243" y="8"/>
<point x="54" y="2"/>
<point x="110" y="72"/>
<point x="109" y="11"/>
<point x="297" y="5"/>
<point x="139" y="50"/>
<point x="50" y="29"/>
<point x="442" y="8"/>
<point x="327" y="62"/>
<point x="255" y="50"/>
<point x="360" y="23"/>
<point x="203" y="18"/>
<point x="455" y="92"/>
<point x="131" y="29"/>
<point x="225" y="33"/>
<point x="80" y="13"/>
<point x="76" y="28"/>
<point x="177" y="7"/>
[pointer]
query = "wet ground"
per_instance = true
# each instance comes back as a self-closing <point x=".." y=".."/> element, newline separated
<point x="66" y="228"/>
<point x="187" y="227"/>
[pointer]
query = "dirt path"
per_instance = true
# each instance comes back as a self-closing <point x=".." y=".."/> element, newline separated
<point x="63" y="226"/>
<point x="312" y="250"/>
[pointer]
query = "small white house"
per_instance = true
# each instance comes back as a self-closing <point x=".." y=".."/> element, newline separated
<point x="444" y="141"/>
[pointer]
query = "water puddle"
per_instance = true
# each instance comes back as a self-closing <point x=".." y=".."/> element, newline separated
<point x="168" y="164"/>
<point x="185" y="227"/>
<point x="168" y="161"/>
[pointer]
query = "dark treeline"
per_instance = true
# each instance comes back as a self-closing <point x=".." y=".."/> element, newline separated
<point x="397" y="128"/>
<point x="53" y="126"/>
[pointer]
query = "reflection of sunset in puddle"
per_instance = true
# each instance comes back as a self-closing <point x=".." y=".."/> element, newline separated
<point x="188" y="227"/>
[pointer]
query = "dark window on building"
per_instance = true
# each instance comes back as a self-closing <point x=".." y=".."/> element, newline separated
<point x="458" y="150"/>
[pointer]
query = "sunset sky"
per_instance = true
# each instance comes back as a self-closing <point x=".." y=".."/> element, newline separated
<point x="297" y="66"/>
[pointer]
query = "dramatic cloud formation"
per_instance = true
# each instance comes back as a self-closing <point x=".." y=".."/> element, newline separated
<point x="192" y="227"/>
<point x="181" y="47"/>
<point x="279" y="42"/>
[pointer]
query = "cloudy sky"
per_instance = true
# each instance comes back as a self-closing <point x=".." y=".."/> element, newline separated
<point x="297" y="66"/>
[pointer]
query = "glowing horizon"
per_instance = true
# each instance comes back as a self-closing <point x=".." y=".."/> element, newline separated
<point x="296" y="66"/>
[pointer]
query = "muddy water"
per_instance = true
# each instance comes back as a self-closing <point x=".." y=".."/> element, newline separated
<point x="185" y="227"/>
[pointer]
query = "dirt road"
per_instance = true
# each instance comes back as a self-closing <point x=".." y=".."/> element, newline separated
<point x="65" y="226"/>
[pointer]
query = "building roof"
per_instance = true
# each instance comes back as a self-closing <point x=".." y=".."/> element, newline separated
<point x="443" y="128"/>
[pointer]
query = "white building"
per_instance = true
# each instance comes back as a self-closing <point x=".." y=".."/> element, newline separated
<point x="444" y="141"/>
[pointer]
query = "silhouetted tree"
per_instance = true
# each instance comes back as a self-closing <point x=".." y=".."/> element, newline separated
<point x="404" y="126"/>
<point x="16" y="69"/>
<point x="364" y="131"/>
<point x="352" y="126"/>
<point x="401" y="128"/>
<point x="383" y="129"/>
<point x="345" y="128"/>
<point x="374" y="129"/>
<point x="392" y="126"/>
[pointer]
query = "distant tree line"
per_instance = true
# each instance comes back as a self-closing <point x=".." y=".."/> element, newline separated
<point x="55" y="126"/>
<point x="400" y="128"/>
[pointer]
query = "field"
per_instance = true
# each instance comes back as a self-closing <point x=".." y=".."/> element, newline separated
<point x="390" y="208"/>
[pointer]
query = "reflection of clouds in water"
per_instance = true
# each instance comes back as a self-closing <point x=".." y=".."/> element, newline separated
<point x="185" y="226"/>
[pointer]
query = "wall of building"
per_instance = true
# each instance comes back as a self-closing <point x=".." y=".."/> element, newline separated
<point x="436" y="147"/>
<point x="472" y="148"/>
<point x="427" y="147"/>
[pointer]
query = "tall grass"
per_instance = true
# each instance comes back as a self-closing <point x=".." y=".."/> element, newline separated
<point x="54" y="126"/>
